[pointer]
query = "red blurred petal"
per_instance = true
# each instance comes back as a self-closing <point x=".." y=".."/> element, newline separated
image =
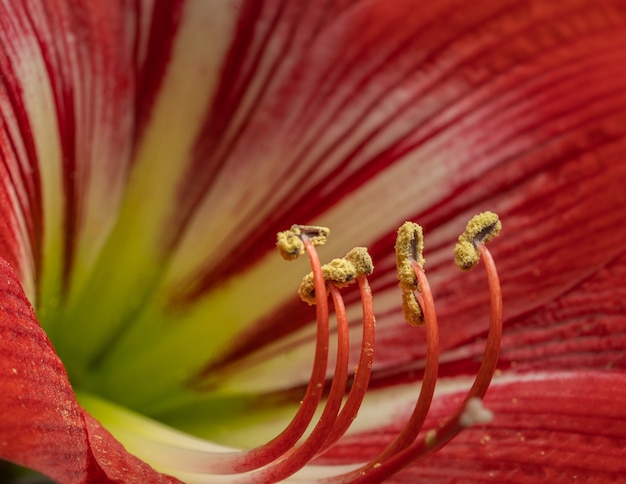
<point x="41" y="424"/>
<point x="547" y="428"/>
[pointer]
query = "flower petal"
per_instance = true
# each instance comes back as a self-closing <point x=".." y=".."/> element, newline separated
<point x="63" y="62"/>
<point x="547" y="427"/>
<point x="41" y="424"/>
<point x="513" y="106"/>
<point x="536" y="163"/>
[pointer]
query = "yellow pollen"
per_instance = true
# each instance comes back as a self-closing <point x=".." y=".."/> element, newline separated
<point x="307" y="289"/>
<point x="289" y="245"/>
<point x="409" y="249"/>
<point x="411" y="309"/>
<point x="289" y="242"/>
<point x="480" y="229"/>
<point x="361" y="260"/>
<point x="340" y="272"/>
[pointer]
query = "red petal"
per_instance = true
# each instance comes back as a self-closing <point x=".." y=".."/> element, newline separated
<point x="547" y="428"/>
<point x="41" y="424"/>
<point x="67" y="103"/>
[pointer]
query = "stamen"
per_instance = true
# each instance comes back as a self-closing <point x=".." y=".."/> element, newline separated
<point x="494" y="336"/>
<point x="409" y="249"/>
<point x="288" y="452"/>
<point x="363" y="370"/>
<point x="471" y="411"/>
<point x="290" y="243"/>
<point x="409" y="246"/>
<point x="269" y="452"/>
<point x="427" y="390"/>
<point x="480" y="229"/>
<point x="337" y="274"/>
<point x="299" y="456"/>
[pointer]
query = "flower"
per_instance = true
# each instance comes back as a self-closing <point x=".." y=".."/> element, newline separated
<point x="152" y="150"/>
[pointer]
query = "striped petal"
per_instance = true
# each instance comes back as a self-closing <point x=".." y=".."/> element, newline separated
<point x="151" y="150"/>
<point x="548" y="426"/>
<point x="66" y="147"/>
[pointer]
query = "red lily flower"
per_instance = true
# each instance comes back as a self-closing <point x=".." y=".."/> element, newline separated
<point x="151" y="150"/>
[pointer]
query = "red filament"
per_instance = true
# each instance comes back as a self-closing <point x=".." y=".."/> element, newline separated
<point x="290" y="451"/>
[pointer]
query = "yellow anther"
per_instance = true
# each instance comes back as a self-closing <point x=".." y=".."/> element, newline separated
<point x="307" y="289"/>
<point x="289" y="242"/>
<point x="411" y="309"/>
<point x="340" y="272"/>
<point x="289" y="245"/>
<point x="480" y="229"/>
<point x="362" y="261"/>
<point x="409" y="248"/>
<point x="465" y="255"/>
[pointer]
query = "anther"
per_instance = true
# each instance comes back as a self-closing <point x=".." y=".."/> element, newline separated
<point x="480" y="229"/>
<point x="409" y="251"/>
<point x="411" y="309"/>
<point x="361" y="260"/>
<point x="340" y="272"/>
<point x="290" y="243"/>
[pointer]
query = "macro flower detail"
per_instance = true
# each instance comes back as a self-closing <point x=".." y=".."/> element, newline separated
<point x="355" y="267"/>
<point x="151" y="150"/>
<point x="286" y="454"/>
